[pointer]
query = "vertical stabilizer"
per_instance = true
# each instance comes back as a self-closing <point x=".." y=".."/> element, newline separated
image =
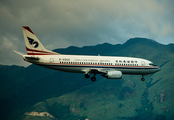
<point x="33" y="45"/>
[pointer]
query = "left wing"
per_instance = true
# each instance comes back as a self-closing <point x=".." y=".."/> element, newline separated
<point x="97" y="71"/>
<point x="108" y="73"/>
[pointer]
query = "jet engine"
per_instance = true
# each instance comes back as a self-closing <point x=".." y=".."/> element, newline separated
<point x="113" y="75"/>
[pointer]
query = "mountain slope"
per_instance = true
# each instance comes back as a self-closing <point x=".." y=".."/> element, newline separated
<point x="21" y="87"/>
<point x="128" y="98"/>
<point x="71" y="96"/>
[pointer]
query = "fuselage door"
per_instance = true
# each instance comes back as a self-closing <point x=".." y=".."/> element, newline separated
<point x="142" y="63"/>
<point x="101" y="63"/>
<point x="51" y="60"/>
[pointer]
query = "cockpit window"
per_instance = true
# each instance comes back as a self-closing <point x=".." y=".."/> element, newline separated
<point x="152" y="64"/>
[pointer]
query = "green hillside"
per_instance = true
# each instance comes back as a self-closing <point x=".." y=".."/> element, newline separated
<point x="21" y="87"/>
<point x="26" y="92"/>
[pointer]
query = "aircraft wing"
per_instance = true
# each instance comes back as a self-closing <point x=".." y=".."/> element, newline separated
<point x="97" y="71"/>
<point x="108" y="73"/>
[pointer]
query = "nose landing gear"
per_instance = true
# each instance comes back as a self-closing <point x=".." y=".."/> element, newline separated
<point x="142" y="79"/>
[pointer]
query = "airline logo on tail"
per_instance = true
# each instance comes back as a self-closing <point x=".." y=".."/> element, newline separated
<point x="34" y="44"/>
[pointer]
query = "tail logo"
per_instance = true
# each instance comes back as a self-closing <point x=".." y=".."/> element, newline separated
<point x="34" y="44"/>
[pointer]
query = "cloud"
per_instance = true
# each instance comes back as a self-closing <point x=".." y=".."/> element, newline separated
<point x="60" y="23"/>
<point x="8" y="57"/>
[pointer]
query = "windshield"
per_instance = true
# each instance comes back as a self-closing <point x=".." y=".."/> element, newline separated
<point x="152" y="64"/>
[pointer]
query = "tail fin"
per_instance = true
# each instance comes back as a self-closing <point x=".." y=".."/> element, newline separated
<point x="33" y="45"/>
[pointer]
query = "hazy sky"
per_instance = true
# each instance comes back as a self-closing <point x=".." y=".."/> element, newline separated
<point x="63" y="23"/>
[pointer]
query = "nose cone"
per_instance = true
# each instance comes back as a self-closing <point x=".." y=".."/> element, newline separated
<point x="158" y="69"/>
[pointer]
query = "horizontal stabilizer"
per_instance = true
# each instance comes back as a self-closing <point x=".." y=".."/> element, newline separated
<point x="20" y="53"/>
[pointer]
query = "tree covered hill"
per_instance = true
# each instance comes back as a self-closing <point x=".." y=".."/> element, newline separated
<point x="71" y="96"/>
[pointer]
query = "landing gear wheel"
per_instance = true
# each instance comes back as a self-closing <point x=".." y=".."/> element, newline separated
<point x="87" y="76"/>
<point x="142" y="79"/>
<point x="93" y="79"/>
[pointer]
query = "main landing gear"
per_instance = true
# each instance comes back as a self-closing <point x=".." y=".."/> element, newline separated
<point x="142" y="79"/>
<point x="92" y="78"/>
<point x="87" y="76"/>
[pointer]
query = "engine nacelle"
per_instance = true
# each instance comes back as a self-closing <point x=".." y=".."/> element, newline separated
<point x="114" y="75"/>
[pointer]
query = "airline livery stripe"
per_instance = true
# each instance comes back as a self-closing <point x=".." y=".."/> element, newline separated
<point x="92" y="66"/>
<point x="27" y="28"/>
<point x="41" y="54"/>
<point x="38" y="52"/>
<point x="28" y="49"/>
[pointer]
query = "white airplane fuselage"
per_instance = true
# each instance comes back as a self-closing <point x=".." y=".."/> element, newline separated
<point x="81" y="64"/>
<point x="109" y="67"/>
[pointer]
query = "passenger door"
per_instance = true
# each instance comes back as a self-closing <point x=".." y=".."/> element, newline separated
<point x="51" y="60"/>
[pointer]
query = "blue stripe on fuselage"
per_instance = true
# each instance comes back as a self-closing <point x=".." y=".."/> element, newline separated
<point x="98" y="66"/>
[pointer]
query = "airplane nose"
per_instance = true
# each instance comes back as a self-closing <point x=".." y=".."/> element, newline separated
<point x="159" y="68"/>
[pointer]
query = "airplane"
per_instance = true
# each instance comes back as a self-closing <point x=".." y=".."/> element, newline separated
<point x="109" y="67"/>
